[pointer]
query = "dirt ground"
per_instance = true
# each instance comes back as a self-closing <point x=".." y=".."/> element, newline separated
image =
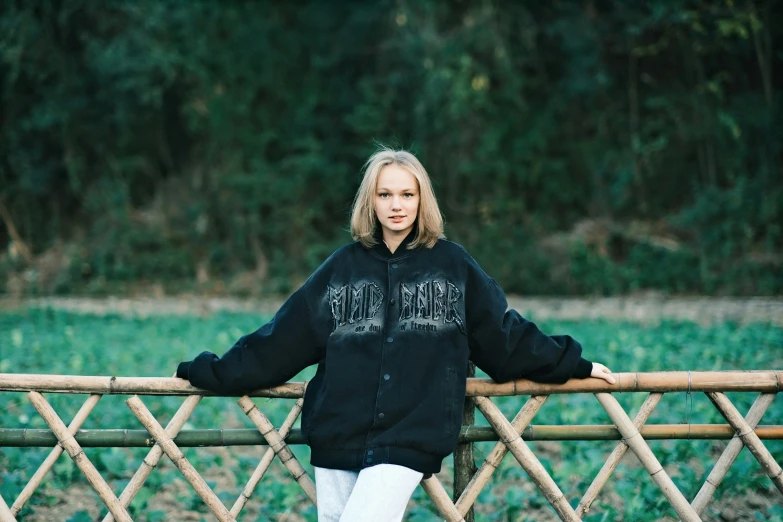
<point x="648" y="308"/>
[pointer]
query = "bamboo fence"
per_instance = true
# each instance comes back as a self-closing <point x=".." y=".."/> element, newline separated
<point x="510" y="436"/>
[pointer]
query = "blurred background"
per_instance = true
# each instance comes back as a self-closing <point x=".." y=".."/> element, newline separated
<point x="577" y="147"/>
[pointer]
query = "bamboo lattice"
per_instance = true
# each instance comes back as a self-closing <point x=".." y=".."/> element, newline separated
<point x="511" y="436"/>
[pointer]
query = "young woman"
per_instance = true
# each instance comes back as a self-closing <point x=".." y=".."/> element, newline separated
<point x="391" y="320"/>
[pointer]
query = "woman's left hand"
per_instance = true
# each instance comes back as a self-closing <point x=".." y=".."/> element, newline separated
<point x="602" y="372"/>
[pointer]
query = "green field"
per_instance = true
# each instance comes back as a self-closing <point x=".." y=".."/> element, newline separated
<point x="46" y="341"/>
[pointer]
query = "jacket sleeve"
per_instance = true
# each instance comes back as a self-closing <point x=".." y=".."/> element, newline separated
<point x="507" y="346"/>
<point x="267" y="357"/>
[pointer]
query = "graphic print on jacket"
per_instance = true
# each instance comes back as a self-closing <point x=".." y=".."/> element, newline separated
<point x="352" y="304"/>
<point x="429" y="300"/>
<point x="434" y="300"/>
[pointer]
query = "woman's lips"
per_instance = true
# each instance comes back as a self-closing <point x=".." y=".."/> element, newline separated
<point x="397" y="219"/>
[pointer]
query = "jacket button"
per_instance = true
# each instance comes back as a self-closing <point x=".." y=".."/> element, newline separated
<point x="387" y="377"/>
<point x="370" y="452"/>
<point x="369" y="459"/>
<point x="392" y="302"/>
<point x="390" y="339"/>
<point x="381" y="415"/>
<point x="394" y="265"/>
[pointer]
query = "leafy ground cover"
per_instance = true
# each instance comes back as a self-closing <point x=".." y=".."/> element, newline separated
<point x="50" y="341"/>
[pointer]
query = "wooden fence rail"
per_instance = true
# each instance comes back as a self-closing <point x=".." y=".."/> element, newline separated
<point x="511" y="436"/>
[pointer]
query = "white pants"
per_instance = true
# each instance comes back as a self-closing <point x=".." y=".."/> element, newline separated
<point x="379" y="493"/>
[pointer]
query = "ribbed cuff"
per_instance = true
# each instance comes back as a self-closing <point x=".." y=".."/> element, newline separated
<point x="583" y="369"/>
<point x="183" y="370"/>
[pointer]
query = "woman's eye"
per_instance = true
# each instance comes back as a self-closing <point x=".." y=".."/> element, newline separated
<point x="383" y="195"/>
<point x="408" y="195"/>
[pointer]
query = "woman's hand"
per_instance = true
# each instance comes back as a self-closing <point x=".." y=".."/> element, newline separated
<point x="602" y="372"/>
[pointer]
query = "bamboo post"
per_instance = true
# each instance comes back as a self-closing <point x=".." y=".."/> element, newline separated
<point x="75" y="451"/>
<point x="527" y="459"/>
<point x="616" y="456"/>
<point x="153" y="456"/>
<point x="464" y="463"/>
<point x="441" y="499"/>
<point x="729" y="454"/>
<point x="748" y="437"/>
<point x="178" y="458"/>
<point x="47" y="464"/>
<point x="266" y="460"/>
<point x="493" y="459"/>
<point x="634" y="439"/>
<point x="279" y="446"/>
<point x="5" y="513"/>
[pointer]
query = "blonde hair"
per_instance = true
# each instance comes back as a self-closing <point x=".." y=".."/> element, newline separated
<point x="364" y="222"/>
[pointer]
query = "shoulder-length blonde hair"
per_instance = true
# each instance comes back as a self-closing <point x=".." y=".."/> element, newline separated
<point x="429" y="221"/>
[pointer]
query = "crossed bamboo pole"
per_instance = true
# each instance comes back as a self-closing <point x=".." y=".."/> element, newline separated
<point x="266" y="460"/>
<point x="80" y="459"/>
<point x="526" y="459"/>
<point x="47" y="464"/>
<point x="178" y="458"/>
<point x="153" y="456"/>
<point x="440" y="498"/>
<point x="748" y="437"/>
<point x="492" y="460"/>
<point x="729" y="454"/>
<point x="278" y="445"/>
<point x="636" y="442"/>
<point x="616" y="456"/>
<point x="165" y="444"/>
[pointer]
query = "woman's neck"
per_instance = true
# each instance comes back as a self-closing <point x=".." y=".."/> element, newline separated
<point x="392" y="241"/>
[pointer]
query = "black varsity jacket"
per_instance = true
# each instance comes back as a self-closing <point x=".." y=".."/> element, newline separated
<point x="391" y="335"/>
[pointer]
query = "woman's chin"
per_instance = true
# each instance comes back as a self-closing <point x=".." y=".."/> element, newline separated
<point x="398" y="228"/>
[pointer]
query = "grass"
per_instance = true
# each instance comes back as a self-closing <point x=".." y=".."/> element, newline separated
<point x="47" y="341"/>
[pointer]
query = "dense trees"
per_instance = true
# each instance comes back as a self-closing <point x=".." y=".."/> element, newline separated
<point x="576" y="146"/>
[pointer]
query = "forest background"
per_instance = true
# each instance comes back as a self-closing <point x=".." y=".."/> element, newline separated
<point x="576" y="147"/>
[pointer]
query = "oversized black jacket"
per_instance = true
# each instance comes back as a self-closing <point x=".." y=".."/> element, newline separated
<point x="392" y="335"/>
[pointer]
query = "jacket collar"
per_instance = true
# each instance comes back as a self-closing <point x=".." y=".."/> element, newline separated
<point x="381" y="250"/>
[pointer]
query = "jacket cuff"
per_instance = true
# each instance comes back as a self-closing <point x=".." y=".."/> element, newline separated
<point x="183" y="370"/>
<point x="583" y="369"/>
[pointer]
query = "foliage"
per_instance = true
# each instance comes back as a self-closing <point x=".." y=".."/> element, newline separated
<point x="46" y="341"/>
<point x="177" y="142"/>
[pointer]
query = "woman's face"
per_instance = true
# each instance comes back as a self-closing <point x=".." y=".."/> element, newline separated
<point x="396" y="200"/>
